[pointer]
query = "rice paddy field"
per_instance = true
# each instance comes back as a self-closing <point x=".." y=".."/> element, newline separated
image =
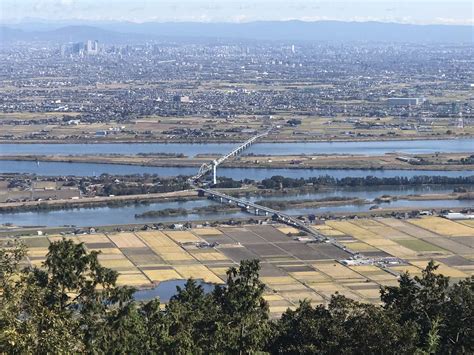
<point x="292" y="270"/>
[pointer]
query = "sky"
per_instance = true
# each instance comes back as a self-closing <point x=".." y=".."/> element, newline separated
<point x="459" y="12"/>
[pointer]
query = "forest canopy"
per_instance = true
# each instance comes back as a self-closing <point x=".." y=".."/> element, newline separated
<point x="72" y="304"/>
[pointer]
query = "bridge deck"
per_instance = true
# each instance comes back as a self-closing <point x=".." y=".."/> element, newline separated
<point x="247" y="205"/>
<point x="208" y="167"/>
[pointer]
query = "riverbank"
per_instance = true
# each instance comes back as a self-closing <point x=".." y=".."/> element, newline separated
<point x="386" y="212"/>
<point x="391" y="161"/>
<point x="246" y="191"/>
<point x="198" y="209"/>
<point x="278" y="205"/>
<point x="92" y="202"/>
<point x="287" y="139"/>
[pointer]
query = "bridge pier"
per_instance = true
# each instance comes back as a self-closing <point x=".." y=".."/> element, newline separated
<point x="214" y="173"/>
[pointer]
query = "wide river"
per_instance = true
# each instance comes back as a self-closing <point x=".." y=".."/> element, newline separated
<point x="95" y="169"/>
<point x="83" y="217"/>
<point x="192" y="149"/>
<point x="126" y="214"/>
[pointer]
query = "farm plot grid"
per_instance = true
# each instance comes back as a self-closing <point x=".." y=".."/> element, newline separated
<point x="291" y="269"/>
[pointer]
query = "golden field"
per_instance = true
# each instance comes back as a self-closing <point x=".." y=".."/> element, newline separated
<point x="291" y="270"/>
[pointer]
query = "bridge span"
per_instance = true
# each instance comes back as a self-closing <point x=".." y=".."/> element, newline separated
<point x="212" y="166"/>
<point x="259" y="210"/>
<point x="246" y="205"/>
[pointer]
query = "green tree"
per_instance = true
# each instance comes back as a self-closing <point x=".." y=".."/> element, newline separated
<point x="305" y="330"/>
<point x="124" y="331"/>
<point x="362" y="328"/>
<point x="191" y="317"/>
<point x="343" y="327"/>
<point x="72" y="304"/>
<point x="11" y="290"/>
<point x="75" y="282"/>
<point x="28" y="325"/>
<point x="243" y="326"/>
<point x="419" y="300"/>
<point x="456" y="333"/>
<point x="156" y="328"/>
<point x="67" y="306"/>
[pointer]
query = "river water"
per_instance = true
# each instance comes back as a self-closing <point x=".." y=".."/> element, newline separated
<point x="126" y="214"/>
<point x="192" y="149"/>
<point x="95" y="169"/>
<point x="83" y="217"/>
<point x="167" y="289"/>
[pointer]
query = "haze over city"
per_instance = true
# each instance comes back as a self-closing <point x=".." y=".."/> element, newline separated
<point x="457" y="12"/>
<point x="236" y="177"/>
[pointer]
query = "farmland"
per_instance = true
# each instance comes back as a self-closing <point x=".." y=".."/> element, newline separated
<point x="292" y="270"/>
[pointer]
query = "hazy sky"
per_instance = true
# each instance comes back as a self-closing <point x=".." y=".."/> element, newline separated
<point x="405" y="11"/>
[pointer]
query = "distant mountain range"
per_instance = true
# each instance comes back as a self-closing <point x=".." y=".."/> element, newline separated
<point x="269" y="30"/>
<point x="65" y="34"/>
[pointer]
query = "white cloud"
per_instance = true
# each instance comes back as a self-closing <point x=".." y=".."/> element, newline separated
<point x="405" y="11"/>
<point x="454" y="21"/>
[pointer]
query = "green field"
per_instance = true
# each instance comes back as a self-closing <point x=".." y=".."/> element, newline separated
<point x="419" y="245"/>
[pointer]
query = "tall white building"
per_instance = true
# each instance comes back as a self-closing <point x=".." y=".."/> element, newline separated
<point x="92" y="47"/>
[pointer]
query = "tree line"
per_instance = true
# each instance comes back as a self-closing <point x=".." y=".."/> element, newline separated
<point x="72" y="304"/>
<point x="278" y="181"/>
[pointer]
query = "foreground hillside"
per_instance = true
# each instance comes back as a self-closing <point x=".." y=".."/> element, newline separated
<point x="72" y="304"/>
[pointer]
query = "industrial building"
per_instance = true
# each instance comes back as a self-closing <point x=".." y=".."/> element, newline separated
<point x="404" y="101"/>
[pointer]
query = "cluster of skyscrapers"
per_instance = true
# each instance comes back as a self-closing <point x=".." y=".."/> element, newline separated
<point x="91" y="47"/>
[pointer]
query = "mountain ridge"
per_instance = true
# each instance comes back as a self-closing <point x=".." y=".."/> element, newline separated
<point x="293" y="30"/>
